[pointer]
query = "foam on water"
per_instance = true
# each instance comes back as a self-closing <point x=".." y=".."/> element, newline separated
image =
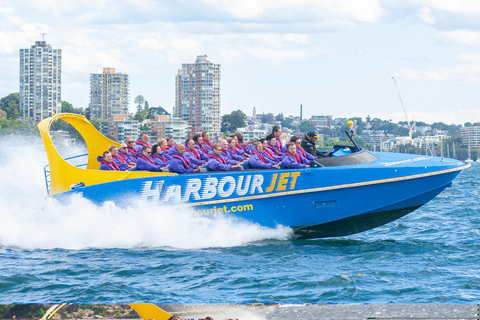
<point x="29" y="219"/>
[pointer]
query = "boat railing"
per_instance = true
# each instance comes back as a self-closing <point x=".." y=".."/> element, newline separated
<point x="46" y="169"/>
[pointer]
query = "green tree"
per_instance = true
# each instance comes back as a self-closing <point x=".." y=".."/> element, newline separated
<point x="306" y="126"/>
<point x="159" y="111"/>
<point x="232" y="121"/>
<point x="67" y="107"/>
<point x="3" y="114"/>
<point x="10" y="104"/>
<point x="139" y="101"/>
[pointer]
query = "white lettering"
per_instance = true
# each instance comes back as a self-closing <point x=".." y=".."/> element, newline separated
<point x="151" y="190"/>
<point x="209" y="190"/>
<point x="193" y="186"/>
<point x="173" y="192"/>
<point x="257" y="184"/>
<point x="226" y="193"/>
<point x="240" y="191"/>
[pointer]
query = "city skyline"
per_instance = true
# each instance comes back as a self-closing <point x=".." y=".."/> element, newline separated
<point x="332" y="57"/>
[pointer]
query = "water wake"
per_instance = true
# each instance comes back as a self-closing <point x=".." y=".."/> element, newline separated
<point x="29" y="219"/>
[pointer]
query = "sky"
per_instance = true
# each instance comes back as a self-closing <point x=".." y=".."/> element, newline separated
<point x="333" y="57"/>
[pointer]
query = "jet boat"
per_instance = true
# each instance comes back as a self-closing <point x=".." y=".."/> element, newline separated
<point x="351" y="191"/>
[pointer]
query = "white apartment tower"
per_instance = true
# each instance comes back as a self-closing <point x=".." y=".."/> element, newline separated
<point x="108" y="94"/>
<point x="40" y="81"/>
<point x="198" y="95"/>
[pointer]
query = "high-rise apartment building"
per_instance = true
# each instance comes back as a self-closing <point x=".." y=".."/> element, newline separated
<point x="40" y="81"/>
<point x="198" y="95"/>
<point x="119" y="127"/>
<point x="108" y="94"/>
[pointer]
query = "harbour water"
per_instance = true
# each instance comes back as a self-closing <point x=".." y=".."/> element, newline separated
<point x="82" y="253"/>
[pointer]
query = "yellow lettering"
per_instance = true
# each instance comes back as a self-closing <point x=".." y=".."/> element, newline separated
<point x="220" y="210"/>
<point x="225" y="209"/>
<point x="272" y="184"/>
<point x="283" y="181"/>
<point x="247" y="207"/>
<point x="234" y="209"/>
<point x="211" y="211"/>
<point x="294" y="177"/>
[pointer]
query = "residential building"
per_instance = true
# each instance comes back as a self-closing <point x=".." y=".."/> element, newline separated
<point x="164" y="126"/>
<point x="198" y="89"/>
<point x="251" y="133"/>
<point x="471" y="136"/>
<point x="120" y="127"/>
<point x="40" y="81"/>
<point x="321" y="121"/>
<point x="108" y="94"/>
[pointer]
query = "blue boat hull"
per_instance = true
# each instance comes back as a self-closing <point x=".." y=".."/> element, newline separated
<point x="316" y="202"/>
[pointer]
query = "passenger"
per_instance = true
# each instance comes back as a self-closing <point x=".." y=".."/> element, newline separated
<point x="170" y="142"/>
<point x="226" y="156"/>
<point x="157" y="157"/>
<point x="241" y="145"/>
<point x="308" y="144"/>
<point x="258" y="161"/>
<point x="131" y="148"/>
<point x="307" y="156"/>
<point x="179" y="163"/>
<point x="163" y="146"/>
<point x="119" y="161"/>
<point x="206" y="141"/>
<point x="234" y="153"/>
<point x="271" y="148"/>
<point x="106" y="162"/>
<point x="127" y="156"/>
<point x="292" y="159"/>
<point x="192" y="154"/>
<point x="252" y="144"/>
<point x="199" y="147"/>
<point x="142" y="142"/>
<point x="277" y="132"/>
<point x="145" y="162"/>
<point x="217" y="163"/>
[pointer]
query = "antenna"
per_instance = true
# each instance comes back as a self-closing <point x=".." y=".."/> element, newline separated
<point x="405" y="112"/>
<point x="43" y="36"/>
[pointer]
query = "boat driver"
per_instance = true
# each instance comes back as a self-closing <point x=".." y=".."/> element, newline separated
<point x="292" y="159"/>
<point x="308" y="143"/>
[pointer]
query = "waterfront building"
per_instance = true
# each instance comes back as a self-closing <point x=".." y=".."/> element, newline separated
<point x="120" y="127"/>
<point x="321" y="121"/>
<point x="164" y="126"/>
<point x="198" y="95"/>
<point x="40" y="81"/>
<point x="471" y="136"/>
<point x="109" y="94"/>
<point x="252" y="133"/>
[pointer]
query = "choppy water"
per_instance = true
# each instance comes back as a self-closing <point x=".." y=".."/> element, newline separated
<point x="82" y="253"/>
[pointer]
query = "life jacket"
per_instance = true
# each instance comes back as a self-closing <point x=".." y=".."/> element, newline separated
<point x="221" y="160"/>
<point x="269" y="146"/>
<point x="119" y="158"/>
<point x="140" y="142"/>
<point x="133" y="151"/>
<point x="203" y="148"/>
<point x="112" y="165"/>
<point x="302" y="151"/>
<point x="279" y="145"/>
<point x="296" y="157"/>
<point x="259" y="156"/>
<point x="233" y="150"/>
<point x="194" y="153"/>
<point x="227" y="154"/>
<point x="268" y="152"/>
<point x="157" y="156"/>
<point x="123" y="156"/>
<point x="208" y="143"/>
<point x="145" y="158"/>
<point x="185" y="162"/>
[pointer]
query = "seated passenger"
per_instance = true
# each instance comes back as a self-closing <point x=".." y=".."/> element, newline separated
<point x="237" y="155"/>
<point x="131" y="148"/>
<point x="226" y="156"/>
<point x="106" y="162"/>
<point x="267" y="153"/>
<point x="200" y="148"/>
<point x="217" y="163"/>
<point x="145" y="162"/>
<point x="163" y="146"/>
<point x="127" y="156"/>
<point x="142" y="142"/>
<point x="206" y="141"/>
<point x="292" y="159"/>
<point x="272" y="146"/>
<point x="179" y="163"/>
<point x="241" y="145"/>
<point x="170" y="142"/>
<point x="121" y="163"/>
<point x="258" y="161"/>
<point x="157" y="157"/>
<point x="192" y="154"/>
<point x="307" y="156"/>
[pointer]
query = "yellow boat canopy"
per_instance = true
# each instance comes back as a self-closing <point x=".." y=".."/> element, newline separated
<point x="63" y="175"/>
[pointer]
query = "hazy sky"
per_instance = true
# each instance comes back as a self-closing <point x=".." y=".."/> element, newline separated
<point x="335" y="57"/>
